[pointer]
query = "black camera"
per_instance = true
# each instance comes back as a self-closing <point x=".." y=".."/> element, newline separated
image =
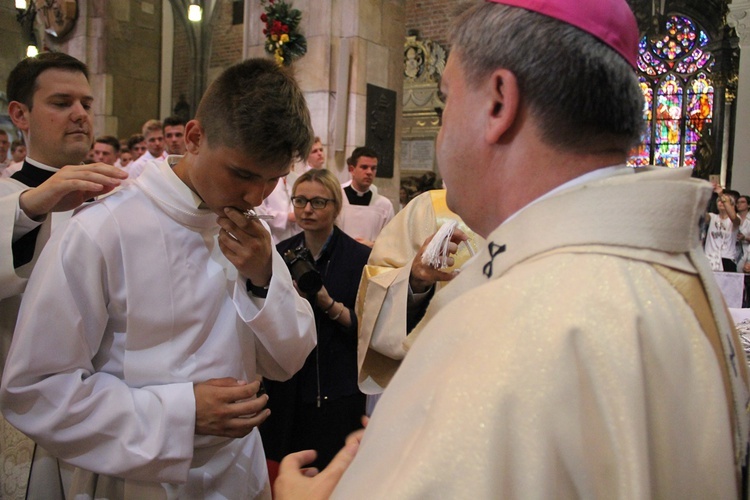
<point x="302" y="268"/>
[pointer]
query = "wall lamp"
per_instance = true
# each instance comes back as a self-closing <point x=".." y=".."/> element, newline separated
<point x="195" y="12"/>
<point x="25" y="15"/>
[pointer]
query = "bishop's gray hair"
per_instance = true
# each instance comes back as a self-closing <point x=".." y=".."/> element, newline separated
<point x="585" y="95"/>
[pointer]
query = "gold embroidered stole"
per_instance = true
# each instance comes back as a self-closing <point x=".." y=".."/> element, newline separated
<point x="691" y="289"/>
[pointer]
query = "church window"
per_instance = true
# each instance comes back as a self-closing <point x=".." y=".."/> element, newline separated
<point x="674" y="70"/>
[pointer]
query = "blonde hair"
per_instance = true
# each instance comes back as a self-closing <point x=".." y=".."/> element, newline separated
<point x="152" y="125"/>
<point x="327" y="179"/>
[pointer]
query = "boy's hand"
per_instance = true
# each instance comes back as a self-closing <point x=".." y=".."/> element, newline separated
<point x="228" y="407"/>
<point x="247" y="245"/>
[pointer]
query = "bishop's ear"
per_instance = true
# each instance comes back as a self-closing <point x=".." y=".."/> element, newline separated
<point x="503" y="92"/>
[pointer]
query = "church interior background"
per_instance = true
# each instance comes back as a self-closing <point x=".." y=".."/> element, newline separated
<point x="372" y="68"/>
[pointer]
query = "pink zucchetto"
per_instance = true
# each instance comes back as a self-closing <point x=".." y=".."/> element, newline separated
<point x="611" y="21"/>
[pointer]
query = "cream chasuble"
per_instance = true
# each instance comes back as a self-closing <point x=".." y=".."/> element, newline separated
<point x="569" y="366"/>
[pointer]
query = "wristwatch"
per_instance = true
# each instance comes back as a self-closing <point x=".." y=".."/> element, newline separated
<point x="258" y="291"/>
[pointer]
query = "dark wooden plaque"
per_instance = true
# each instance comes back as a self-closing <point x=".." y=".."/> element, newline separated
<point x="380" y="132"/>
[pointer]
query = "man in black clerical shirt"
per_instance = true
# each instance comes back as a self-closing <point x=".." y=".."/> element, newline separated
<point x="50" y="103"/>
<point x="365" y="212"/>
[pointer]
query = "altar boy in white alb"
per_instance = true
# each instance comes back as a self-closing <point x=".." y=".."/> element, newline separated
<point x="149" y="317"/>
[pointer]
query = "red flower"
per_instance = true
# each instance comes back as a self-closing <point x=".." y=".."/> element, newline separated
<point x="284" y="28"/>
<point x="263" y="18"/>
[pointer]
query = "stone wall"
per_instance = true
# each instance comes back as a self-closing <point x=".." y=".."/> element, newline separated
<point x="12" y="50"/>
<point x="431" y="18"/>
<point x="740" y="19"/>
<point x="130" y="39"/>
<point x="226" y="49"/>
<point x="120" y="43"/>
<point x="181" y="83"/>
<point x="226" y="43"/>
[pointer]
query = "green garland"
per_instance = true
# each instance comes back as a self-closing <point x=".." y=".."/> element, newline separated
<point x="283" y="41"/>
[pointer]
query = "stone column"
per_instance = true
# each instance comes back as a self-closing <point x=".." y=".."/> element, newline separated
<point x="373" y="32"/>
<point x="739" y="18"/>
<point x="120" y="42"/>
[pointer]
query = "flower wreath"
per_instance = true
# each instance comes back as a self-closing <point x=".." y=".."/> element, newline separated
<point x="282" y="38"/>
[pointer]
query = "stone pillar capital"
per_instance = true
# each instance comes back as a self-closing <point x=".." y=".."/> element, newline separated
<point x="739" y="18"/>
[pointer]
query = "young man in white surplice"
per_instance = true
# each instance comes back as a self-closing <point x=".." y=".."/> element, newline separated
<point x="167" y="301"/>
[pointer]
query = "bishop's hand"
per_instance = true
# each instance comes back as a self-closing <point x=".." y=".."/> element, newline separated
<point x="424" y="276"/>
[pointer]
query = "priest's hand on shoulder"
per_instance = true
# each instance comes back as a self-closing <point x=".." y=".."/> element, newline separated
<point x="70" y="187"/>
<point x="247" y="245"/>
<point x="228" y="407"/>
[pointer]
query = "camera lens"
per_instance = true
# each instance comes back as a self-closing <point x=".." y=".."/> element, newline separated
<point x="303" y="271"/>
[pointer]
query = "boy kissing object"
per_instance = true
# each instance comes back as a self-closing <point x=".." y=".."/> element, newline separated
<point x="252" y="214"/>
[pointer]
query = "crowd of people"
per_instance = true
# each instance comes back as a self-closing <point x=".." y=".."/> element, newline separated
<point x="186" y="312"/>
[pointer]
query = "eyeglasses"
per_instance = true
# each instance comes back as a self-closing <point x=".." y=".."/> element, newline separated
<point x="316" y="203"/>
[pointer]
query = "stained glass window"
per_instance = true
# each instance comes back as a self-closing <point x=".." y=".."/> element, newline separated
<point x="675" y="78"/>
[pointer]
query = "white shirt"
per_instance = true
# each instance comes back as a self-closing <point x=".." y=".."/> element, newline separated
<point x="279" y="204"/>
<point x="135" y="168"/>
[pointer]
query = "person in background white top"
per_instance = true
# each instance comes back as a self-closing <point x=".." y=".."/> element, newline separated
<point x="4" y="147"/>
<point x="106" y="149"/>
<point x="742" y="205"/>
<point x="124" y="157"/>
<point x="174" y="135"/>
<point x="137" y="146"/>
<point x="153" y="133"/>
<point x="17" y="155"/>
<point x="721" y="238"/>
<point x="279" y="202"/>
<point x="317" y="156"/>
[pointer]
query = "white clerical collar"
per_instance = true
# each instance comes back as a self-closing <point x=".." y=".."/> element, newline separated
<point x="359" y="193"/>
<point x="41" y="165"/>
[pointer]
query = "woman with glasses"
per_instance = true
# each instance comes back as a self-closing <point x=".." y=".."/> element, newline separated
<point x="322" y="403"/>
